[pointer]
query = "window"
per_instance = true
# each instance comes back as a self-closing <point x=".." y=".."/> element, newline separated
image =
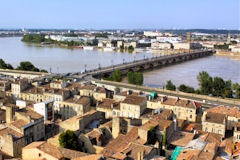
<point x="107" y="113"/>
<point x="190" y="116"/>
<point x="136" y="109"/>
<point x="130" y="108"/>
<point x="238" y="136"/>
<point x="114" y="113"/>
<point x="129" y="114"/>
<point x="124" y="113"/>
<point x="124" y="107"/>
<point x="219" y="131"/>
<point x="206" y="129"/>
<point x="213" y="130"/>
<point x="118" y="113"/>
<point x="136" y="115"/>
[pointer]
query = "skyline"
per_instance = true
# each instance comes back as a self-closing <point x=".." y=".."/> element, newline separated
<point x="141" y="14"/>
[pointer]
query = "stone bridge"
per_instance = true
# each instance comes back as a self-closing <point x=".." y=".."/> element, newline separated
<point x="146" y="64"/>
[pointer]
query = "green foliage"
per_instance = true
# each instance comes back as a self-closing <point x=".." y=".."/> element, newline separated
<point x="185" y="88"/>
<point x="108" y="78"/>
<point x="218" y="86"/>
<point x="103" y="35"/>
<point x="117" y="89"/>
<point x="235" y="86"/>
<point x="3" y="65"/>
<point x="27" y="66"/>
<point x="130" y="48"/>
<point x="33" y="38"/>
<point x="205" y="83"/>
<point x="117" y="77"/>
<point x="135" y="78"/>
<point x="170" y="86"/>
<point x="222" y="46"/>
<point x="237" y="93"/>
<point x="233" y="42"/>
<point x="69" y="140"/>
<point x="43" y="70"/>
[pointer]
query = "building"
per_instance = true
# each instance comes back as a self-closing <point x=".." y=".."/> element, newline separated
<point x="236" y="133"/>
<point x="46" y="109"/>
<point x="152" y="34"/>
<point x="161" y="45"/>
<point x="214" y="123"/>
<point x="74" y="106"/>
<point x="186" y="46"/>
<point x="11" y="142"/>
<point x="44" y="150"/>
<point x="132" y="107"/>
<point x="232" y="114"/>
<point x="182" y="108"/>
<point x="80" y="122"/>
<point x="167" y="39"/>
<point x="107" y="106"/>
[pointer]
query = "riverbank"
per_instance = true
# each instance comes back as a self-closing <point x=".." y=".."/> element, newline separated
<point x="233" y="57"/>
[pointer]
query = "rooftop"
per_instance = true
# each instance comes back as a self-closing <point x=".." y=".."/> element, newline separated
<point x="179" y="138"/>
<point x="55" y="151"/>
<point x="215" y="117"/>
<point x="135" y="100"/>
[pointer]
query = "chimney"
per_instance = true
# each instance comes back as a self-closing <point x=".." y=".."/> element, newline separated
<point x="140" y="155"/>
<point x="9" y="114"/>
<point x="175" y="123"/>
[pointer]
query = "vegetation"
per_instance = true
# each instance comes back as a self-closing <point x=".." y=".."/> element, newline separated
<point x="222" y="46"/>
<point x="135" y="78"/>
<point x="216" y="87"/>
<point x="25" y="66"/>
<point x="117" y="77"/>
<point x="130" y="48"/>
<point x="42" y="39"/>
<point x="170" y="86"/>
<point x="205" y="83"/>
<point x="185" y="88"/>
<point x="3" y="65"/>
<point x="69" y="140"/>
<point x="33" y="38"/>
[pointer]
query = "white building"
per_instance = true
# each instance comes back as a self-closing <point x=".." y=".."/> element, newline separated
<point x="152" y="34"/>
<point x="45" y="109"/>
<point x="169" y="39"/>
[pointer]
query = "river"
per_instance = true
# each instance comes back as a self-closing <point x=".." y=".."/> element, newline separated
<point x="64" y="60"/>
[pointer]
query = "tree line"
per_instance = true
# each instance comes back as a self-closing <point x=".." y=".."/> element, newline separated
<point x="42" y="39"/>
<point x="208" y="85"/>
<point x="24" y="66"/>
<point x="133" y="77"/>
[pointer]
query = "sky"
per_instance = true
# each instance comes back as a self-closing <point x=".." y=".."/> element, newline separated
<point x="120" y="14"/>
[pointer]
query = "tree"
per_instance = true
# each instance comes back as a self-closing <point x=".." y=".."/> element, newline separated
<point x="218" y="86"/>
<point x="3" y="65"/>
<point x="205" y="83"/>
<point x="130" y="48"/>
<point x="237" y="93"/>
<point x="117" y="76"/>
<point x="27" y="66"/>
<point x="43" y="70"/>
<point x="130" y="77"/>
<point x="235" y="86"/>
<point x="69" y="140"/>
<point x="170" y="86"/>
<point x="138" y="78"/>
<point x="186" y="89"/>
<point x="135" y="78"/>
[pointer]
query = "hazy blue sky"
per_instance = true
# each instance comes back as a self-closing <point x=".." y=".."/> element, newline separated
<point x="101" y="14"/>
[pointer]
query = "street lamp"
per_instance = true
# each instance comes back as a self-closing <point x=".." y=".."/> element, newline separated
<point x="123" y="60"/>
